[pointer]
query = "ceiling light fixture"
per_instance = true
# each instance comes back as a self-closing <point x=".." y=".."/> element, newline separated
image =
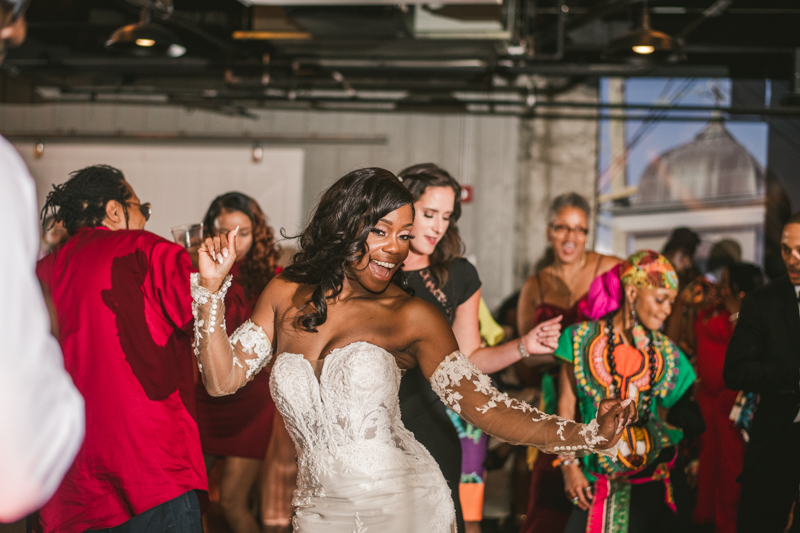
<point x="145" y="39"/>
<point x="645" y="45"/>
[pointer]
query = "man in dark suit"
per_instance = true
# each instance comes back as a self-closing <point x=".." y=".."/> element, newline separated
<point x="764" y="357"/>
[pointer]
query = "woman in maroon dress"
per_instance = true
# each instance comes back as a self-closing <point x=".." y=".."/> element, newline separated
<point x="237" y="428"/>
<point x="558" y="289"/>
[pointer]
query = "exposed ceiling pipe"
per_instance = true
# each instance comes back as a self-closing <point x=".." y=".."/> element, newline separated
<point x="165" y="12"/>
<point x="475" y="98"/>
<point x="72" y="136"/>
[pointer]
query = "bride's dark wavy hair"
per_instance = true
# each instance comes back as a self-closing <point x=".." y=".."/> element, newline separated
<point x="337" y="235"/>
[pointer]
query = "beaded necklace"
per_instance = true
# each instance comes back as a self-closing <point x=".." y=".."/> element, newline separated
<point x="647" y="400"/>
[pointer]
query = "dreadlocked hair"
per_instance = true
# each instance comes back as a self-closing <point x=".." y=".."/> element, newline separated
<point x="260" y="263"/>
<point x="417" y="179"/>
<point x="337" y="236"/>
<point x="81" y="200"/>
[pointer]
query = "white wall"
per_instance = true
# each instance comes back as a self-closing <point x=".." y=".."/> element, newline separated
<point x="181" y="181"/>
<point x="480" y="151"/>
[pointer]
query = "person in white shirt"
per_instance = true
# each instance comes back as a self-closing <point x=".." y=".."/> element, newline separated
<point x="41" y="411"/>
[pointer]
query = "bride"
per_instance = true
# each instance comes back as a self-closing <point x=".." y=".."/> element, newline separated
<point x="345" y="331"/>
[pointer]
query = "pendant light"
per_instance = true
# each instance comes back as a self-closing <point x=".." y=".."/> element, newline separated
<point x="644" y="45"/>
<point x="145" y="39"/>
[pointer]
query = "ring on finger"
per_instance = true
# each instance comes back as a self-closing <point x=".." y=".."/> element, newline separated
<point x="574" y="501"/>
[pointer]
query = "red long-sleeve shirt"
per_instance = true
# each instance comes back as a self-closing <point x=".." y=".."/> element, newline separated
<point x="124" y="315"/>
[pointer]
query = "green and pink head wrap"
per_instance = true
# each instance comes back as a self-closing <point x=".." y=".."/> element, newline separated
<point x="645" y="269"/>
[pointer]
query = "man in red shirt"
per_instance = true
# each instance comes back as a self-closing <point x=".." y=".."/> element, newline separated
<point x="123" y="303"/>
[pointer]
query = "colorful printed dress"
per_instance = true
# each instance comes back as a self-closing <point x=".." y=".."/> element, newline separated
<point x="647" y="453"/>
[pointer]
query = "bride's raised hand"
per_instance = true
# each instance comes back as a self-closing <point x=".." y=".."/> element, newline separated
<point x="613" y="416"/>
<point x="543" y="339"/>
<point x="216" y="257"/>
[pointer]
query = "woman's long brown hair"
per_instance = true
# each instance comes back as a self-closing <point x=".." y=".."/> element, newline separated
<point x="258" y="266"/>
<point x="417" y="179"/>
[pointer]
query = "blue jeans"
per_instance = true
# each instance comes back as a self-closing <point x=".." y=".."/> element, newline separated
<point x="178" y="515"/>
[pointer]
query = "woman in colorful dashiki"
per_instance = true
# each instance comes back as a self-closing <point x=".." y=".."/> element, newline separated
<point x="625" y="355"/>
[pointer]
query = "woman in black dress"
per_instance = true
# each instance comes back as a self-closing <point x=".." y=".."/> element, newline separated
<point x="438" y="273"/>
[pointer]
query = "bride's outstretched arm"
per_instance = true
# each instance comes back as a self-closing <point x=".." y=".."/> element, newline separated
<point x="470" y="393"/>
<point x="226" y="363"/>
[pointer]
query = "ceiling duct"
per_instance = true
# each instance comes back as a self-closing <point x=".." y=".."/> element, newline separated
<point x="487" y="21"/>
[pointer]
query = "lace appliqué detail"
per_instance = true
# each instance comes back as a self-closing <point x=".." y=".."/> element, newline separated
<point x="202" y="296"/>
<point x="456" y="367"/>
<point x="590" y="433"/>
<point x="253" y="340"/>
<point x="360" y="528"/>
<point x="446" y="382"/>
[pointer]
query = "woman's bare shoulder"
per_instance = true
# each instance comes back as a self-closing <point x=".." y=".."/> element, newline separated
<point x="422" y="329"/>
<point x="607" y="262"/>
<point x="530" y="289"/>
<point x="281" y="286"/>
<point x="419" y="312"/>
<point x="280" y="292"/>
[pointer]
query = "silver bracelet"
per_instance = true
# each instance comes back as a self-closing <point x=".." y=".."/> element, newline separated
<point x="523" y="351"/>
<point x="734" y="317"/>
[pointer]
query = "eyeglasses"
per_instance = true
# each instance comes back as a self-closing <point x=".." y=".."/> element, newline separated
<point x="145" y="209"/>
<point x="563" y="230"/>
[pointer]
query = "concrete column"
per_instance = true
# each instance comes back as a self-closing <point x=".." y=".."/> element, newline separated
<point x="555" y="156"/>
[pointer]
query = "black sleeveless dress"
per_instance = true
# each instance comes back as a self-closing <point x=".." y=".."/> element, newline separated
<point x="421" y="410"/>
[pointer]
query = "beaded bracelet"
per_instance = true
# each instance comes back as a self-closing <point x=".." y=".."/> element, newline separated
<point x="565" y="460"/>
<point x="523" y="351"/>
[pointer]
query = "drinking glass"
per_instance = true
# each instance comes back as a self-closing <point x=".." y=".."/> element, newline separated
<point x="188" y="235"/>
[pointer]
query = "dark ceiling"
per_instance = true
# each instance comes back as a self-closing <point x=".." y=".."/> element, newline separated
<point x="384" y="56"/>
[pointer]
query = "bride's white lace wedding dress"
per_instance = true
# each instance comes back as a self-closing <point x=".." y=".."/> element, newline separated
<point x="359" y="469"/>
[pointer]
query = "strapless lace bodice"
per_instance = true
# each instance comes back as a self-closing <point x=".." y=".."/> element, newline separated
<point x="355" y="399"/>
<point x="358" y="467"/>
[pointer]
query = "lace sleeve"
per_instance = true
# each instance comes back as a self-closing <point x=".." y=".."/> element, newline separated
<point x="221" y="358"/>
<point x="470" y="393"/>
